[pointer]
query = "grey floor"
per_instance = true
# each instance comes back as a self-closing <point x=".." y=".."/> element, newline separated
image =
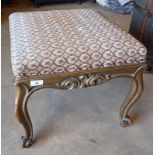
<point x="78" y="122"/>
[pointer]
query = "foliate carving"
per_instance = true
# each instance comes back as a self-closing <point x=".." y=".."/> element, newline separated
<point x="82" y="81"/>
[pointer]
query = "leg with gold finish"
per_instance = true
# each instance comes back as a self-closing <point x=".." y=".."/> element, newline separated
<point x="22" y="115"/>
<point x="75" y="81"/>
<point x="132" y="97"/>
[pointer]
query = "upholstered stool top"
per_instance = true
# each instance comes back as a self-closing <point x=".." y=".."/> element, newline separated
<point x="54" y="42"/>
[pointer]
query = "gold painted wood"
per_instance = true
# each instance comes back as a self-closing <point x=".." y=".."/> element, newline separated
<point x="134" y="94"/>
<point x="83" y="81"/>
<point x="68" y="81"/>
<point x="22" y="115"/>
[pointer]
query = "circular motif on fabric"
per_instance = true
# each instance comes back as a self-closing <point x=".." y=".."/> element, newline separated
<point x="33" y="64"/>
<point x="45" y="54"/>
<point x="70" y="50"/>
<point x="32" y="72"/>
<point x="17" y="60"/>
<point x="119" y="62"/>
<point x="50" y="37"/>
<point x="72" y="59"/>
<point x="94" y="47"/>
<point x="108" y="64"/>
<point x="20" y="69"/>
<point x="96" y="56"/>
<point x="84" y="66"/>
<point x="25" y="62"/>
<point x="106" y="46"/>
<point x="75" y="37"/>
<point x="133" y="40"/>
<point x="119" y="53"/>
<point x="72" y="68"/>
<point x="108" y="34"/>
<point x="138" y="43"/>
<point x="84" y="57"/>
<point x="143" y="51"/>
<point x="30" y="49"/>
<point x="45" y="71"/>
<point x="107" y="54"/>
<point x="115" y="38"/>
<point x="58" y="52"/>
<point x="131" y="60"/>
<point x="59" y="70"/>
<point x="129" y="44"/>
<point x="31" y="56"/>
<point x="131" y="52"/>
<point x="60" y="61"/>
<point x="46" y="62"/>
<point x="53" y="40"/>
<point x="80" y="42"/>
<point x="124" y="38"/>
<point x="96" y="64"/>
<point x="117" y="44"/>
<point x="55" y="45"/>
<point x="68" y="43"/>
<point x="92" y="41"/>
<point x="87" y="35"/>
<point x="83" y="49"/>
<point x="16" y="52"/>
<point x="43" y="46"/>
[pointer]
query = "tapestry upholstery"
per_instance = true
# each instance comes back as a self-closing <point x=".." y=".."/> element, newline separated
<point x="60" y="41"/>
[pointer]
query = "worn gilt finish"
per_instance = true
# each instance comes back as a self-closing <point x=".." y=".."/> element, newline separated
<point x="83" y="81"/>
<point x="79" y="80"/>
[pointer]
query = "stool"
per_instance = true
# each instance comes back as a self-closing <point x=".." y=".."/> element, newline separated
<point x="70" y="49"/>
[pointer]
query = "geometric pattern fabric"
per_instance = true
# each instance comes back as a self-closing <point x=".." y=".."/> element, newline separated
<point x="58" y="41"/>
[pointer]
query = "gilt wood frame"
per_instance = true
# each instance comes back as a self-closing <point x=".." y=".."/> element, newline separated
<point x="68" y="81"/>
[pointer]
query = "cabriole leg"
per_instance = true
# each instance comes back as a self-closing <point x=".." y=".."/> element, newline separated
<point x="22" y="115"/>
<point x="132" y="97"/>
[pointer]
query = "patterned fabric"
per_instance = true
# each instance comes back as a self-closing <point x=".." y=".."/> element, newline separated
<point x="53" y="42"/>
<point x="102" y="2"/>
<point x="118" y="6"/>
<point x="115" y="6"/>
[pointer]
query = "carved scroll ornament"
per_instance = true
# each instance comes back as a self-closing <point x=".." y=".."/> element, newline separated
<point x="83" y="81"/>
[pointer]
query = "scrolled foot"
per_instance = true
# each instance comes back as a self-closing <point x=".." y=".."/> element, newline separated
<point x="125" y="122"/>
<point x="26" y="142"/>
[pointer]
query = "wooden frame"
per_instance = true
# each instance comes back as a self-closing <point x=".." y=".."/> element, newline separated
<point x="68" y="81"/>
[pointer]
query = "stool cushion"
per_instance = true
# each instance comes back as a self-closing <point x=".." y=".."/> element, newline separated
<point x="53" y="42"/>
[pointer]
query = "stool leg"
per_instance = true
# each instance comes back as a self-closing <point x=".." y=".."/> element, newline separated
<point x="132" y="97"/>
<point x="22" y="115"/>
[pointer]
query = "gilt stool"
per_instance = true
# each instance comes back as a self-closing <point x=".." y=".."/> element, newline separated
<point x="69" y="49"/>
